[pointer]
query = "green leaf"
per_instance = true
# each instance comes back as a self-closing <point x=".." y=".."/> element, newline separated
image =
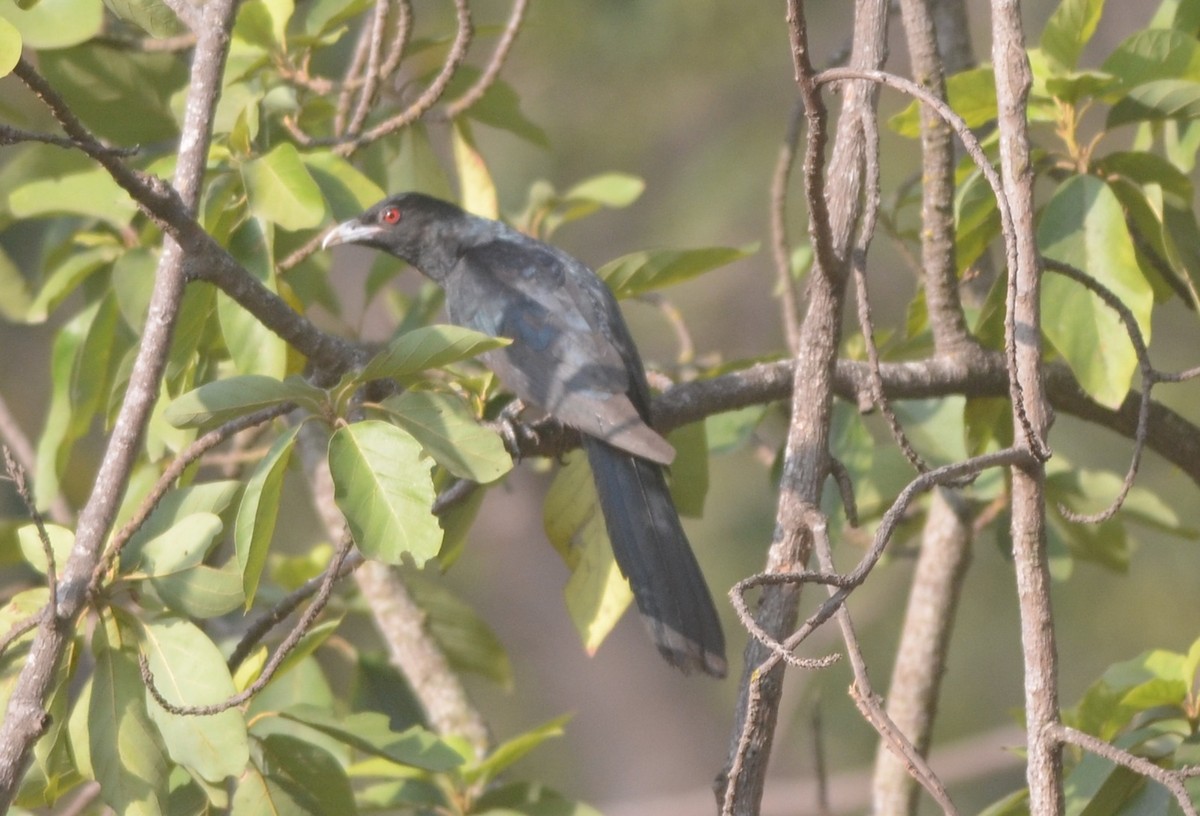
<point x="10" y="46"/>
<point x="181" y="546"/>
<point x="50" y="24"/>
<point x="67" y="277"/>
<point x="512" y="750"/>
<point x="1152" y="54"/>
<point x="549" y="210"/>
<point x="223" y="400"/>
<point x="384" y="487"/>
<point x="451" y="434"/>
<point x="596" y="593"/>
<point x="322" y="16"/>
<point x="369" y="732"/>
<point x="63" y="425"/>
<point x="133" y="283"/>
<point x="1144" y="207"/>
<point x="529" y="799"/>
<point x="127" y="755"/>
<point x="1096" y="786"/>
<point x="281" y="190"/>
<point x="1147" y="168"/>
<point x="500" y="107"/>
<point x="643" y="271"/>
<point x="92" y="194"/>
<point x="347" y="190"/>
<point x="255" y="525"/>
<point x="730" y="430"/>
<point x="61" y="541"/>
<point x="308" y="643"/>
<point x="615" y="190"/>
<point x="189" y="669"/>
<point x="1076" y="86"/>
<point x="1084" y="225"/>
<point x="311" y="776"/>
<point x="202" y="592"/>
<point x="972" y="95"/>
<point x="477" y="191"/>
<point x="152" y="16"/>
<point x="977" y="220"/>
<point x="122" y="95"/>
<point x="176" y="505"/>
<point x="255" y="348"/>
<point x="1157" y="100"/>
<point x="97" y="378"/>
<point x="428" y="347"/>
<point x="1069" y="28"/>
<point x="468" y="642"/>
<point x="15" y="296"/>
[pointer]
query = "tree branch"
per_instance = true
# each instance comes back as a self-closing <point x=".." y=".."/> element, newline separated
<point x="1030" y="418"/>
<point x="25" y="717"/>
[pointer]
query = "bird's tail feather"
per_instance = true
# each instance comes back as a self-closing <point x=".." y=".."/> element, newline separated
<point x="654" y="555"/>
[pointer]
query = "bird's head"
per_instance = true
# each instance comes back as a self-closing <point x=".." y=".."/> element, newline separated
<point x="412" y="226"/>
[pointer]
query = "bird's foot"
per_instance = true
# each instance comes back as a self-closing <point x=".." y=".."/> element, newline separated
<point x="515" y="434"/>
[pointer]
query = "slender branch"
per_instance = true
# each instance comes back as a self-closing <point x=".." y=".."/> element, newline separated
<point x="858" y="268"/>
<point x="285" y="648"/>
<point x="938" y="260"/>
<point x="458" y="52"/>
<point x="11" y="135"/>
<point x="18" y="629"/>
<point x="278" y="613"/>
<point x="1024" y="336"/>
<point x="22" y="449"/>
<point x="1149" y="378"/>
<point x="17" y="474"/>
<point x="25" y="718"/>
<point x="1171" y="779"/>
<point x="864" y="697"/>
<point x="1012" y="243"/>
<point x="924" y="642"/>
<point x="371" y="72"/>
<point x="353" y="79"/>
<point x="186" y="457"/>
<point x="492" y="71"/>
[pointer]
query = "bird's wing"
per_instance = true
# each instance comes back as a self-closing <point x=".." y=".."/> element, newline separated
<point x="571" y="353"/>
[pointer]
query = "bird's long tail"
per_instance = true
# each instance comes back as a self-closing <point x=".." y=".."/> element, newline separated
<point x="654" y="555"/>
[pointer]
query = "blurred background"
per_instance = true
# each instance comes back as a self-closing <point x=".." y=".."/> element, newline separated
<point x="694" y="96"/>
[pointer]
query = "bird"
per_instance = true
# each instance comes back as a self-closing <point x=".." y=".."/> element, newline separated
<point x="572" y="356"/>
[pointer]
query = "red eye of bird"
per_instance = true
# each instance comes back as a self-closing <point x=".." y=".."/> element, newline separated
<point x="390" y="216"/>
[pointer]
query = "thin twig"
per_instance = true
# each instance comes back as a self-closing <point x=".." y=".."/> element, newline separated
<point x="492" y="71"/>
<point x="186" y="457"/>
<point x="11" y="135"/>
<point x="1149" y="377"/>
<point x="861" y="691"/>
<point x="285" y="648"/>
<point x="276" y="614"/>
<point x="18" y="629"/>
<point x="458" y="52"/>
<point x="17" y="474"/>
<point x="1008" y="228"/>
<point x="866" y="325"/>
<point x="371" y="73"/>
<point x="1171" y="779"/>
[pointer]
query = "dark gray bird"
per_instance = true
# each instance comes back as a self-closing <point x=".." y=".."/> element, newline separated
<point x="572" y="356"/>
